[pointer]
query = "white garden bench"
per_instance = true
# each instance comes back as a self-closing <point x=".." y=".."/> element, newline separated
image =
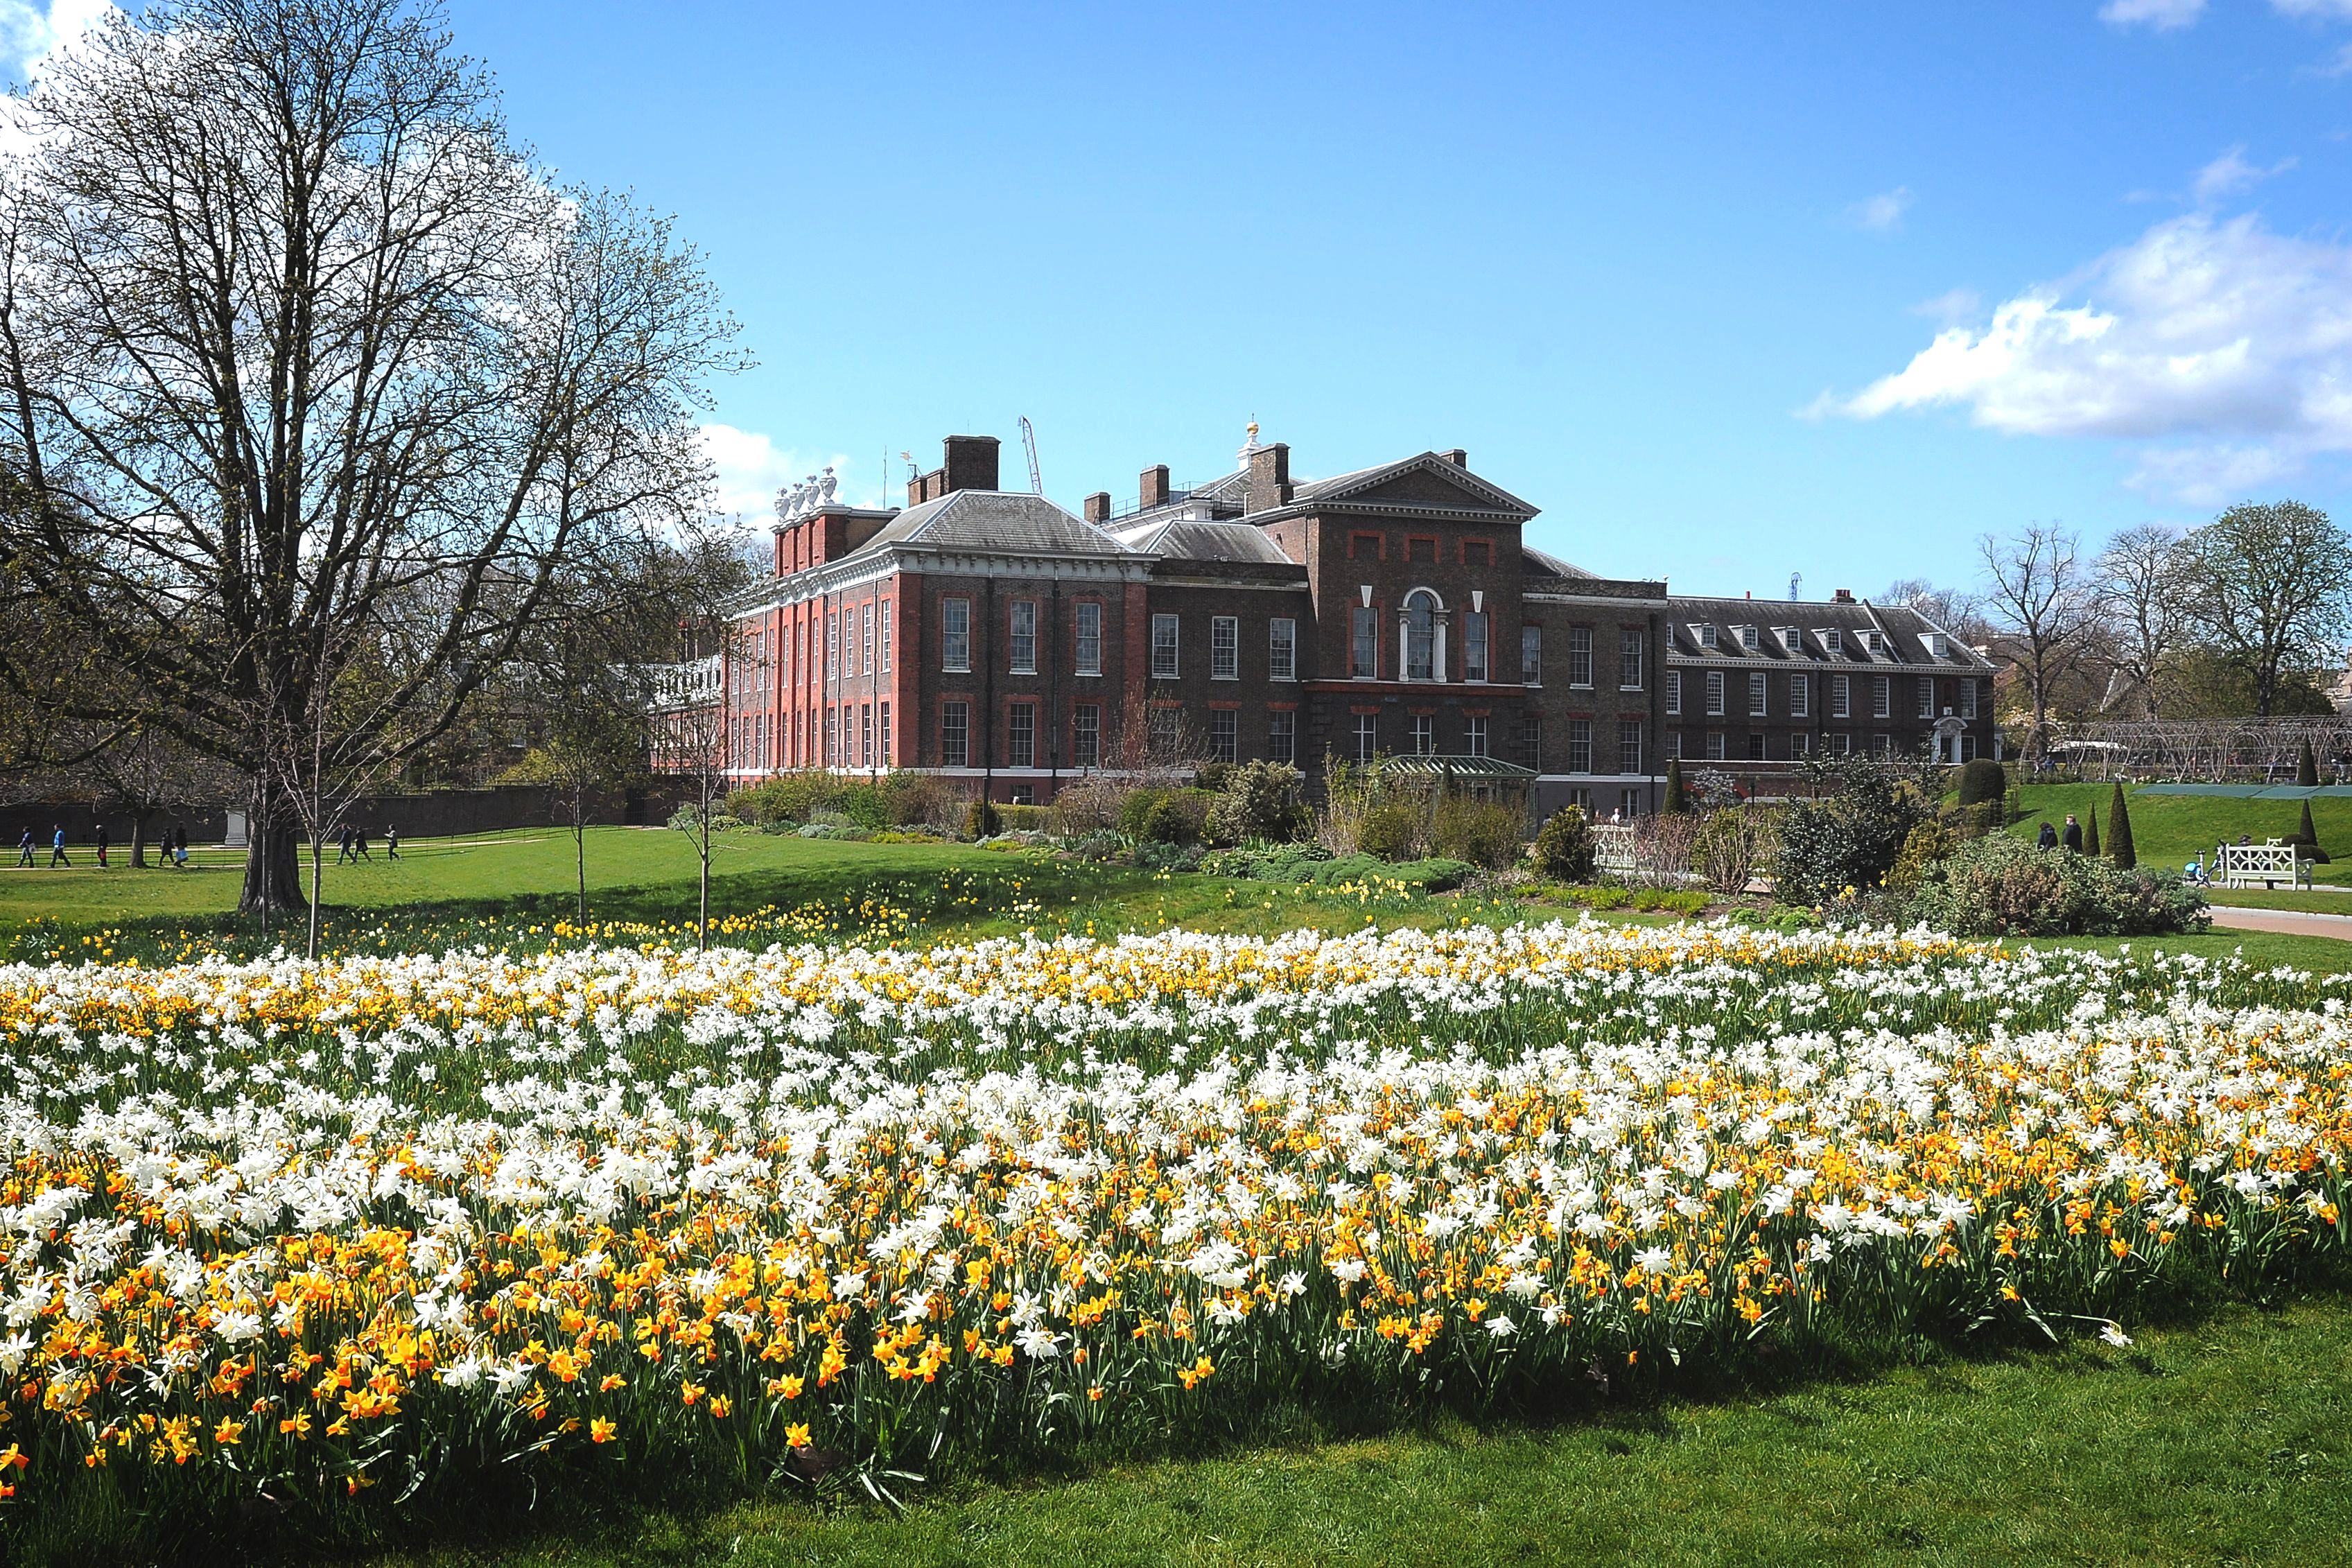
<point x="2267" y="865"/>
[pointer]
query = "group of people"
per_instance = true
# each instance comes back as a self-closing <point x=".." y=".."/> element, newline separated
<point x="352" y="845"/>
<point x="2050" y="838"/>
<point x="173" y="847"/>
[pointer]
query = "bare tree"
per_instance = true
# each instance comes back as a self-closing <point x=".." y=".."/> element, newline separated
<point x="2041" y="601"/>
<point x="305" y="367"/>
<point x="692" y="744"/>
<point x="2139" y="600"/>
<point x="1956" y="610"/>
<point x="2269" y="587"/>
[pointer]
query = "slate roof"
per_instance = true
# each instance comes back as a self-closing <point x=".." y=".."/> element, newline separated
<point x="1902" y="632"/>
<point x="1181" y="539"/>
<point x="1002" y="522"/>
<point x="1538" y="566"/>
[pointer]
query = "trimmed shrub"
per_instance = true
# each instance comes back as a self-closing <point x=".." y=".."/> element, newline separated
<point x="2003" y="886"/>
<point x="1931" y="841"/>
<point x="2090" y="833"/>
<point x="2306" y="836"/>
<point x="1258" y="801"/>
<point x="1674" y="803"/>
<point x="2120" y="848"/>
<point x="1564" y="846"/>
<point x="1484" y="832"/>
<point x="927" y="800"/>
<point x="983" y="819"/>
<point x="1981" y="780"/>
<point x="2307" y="767"/>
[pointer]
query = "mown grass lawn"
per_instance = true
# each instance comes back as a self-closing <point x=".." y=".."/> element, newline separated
<point x="2223" y="1441"/>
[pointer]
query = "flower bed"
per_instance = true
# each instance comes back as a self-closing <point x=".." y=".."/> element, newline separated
<point x="346" y="1235"/>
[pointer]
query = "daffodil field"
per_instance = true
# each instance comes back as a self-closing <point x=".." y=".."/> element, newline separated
<point x="332" y="1240"/>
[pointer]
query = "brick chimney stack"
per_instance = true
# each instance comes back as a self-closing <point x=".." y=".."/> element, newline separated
<point x="1154" y="481"/>
<point x="1843" y="596"/>
<point x="1099" y="506"/>
<point x="1457" y="457"/>
<point x="1269" y="469"/>
<point x="968" y="463"/>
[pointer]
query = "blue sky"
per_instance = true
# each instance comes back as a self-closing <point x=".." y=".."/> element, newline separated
<point x="1728" y="291"/>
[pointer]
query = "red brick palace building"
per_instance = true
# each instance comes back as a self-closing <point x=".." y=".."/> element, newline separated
<point x="988" y="635"/>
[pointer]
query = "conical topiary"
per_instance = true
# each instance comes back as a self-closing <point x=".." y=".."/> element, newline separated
<point x="1674" y="805"/>
<point x="2307" y="767"/>
<point x="2119" y="833"/>
<point x="2305" y="835"/>
<point x="2090" y="833"/>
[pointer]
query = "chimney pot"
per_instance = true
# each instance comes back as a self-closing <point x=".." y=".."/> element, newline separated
<point x="1843" y="596"/>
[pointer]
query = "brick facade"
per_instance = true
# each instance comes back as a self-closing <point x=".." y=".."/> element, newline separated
<point x="991" y="635"/>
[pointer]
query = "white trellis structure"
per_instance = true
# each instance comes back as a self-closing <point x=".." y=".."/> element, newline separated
<point x="2211" y="750"/>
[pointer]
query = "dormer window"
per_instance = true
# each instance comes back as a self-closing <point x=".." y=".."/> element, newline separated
<point x="1938" y="645"/>
<point x="1747" y="638"/>
<point x="1792" y="638"/>
<point x="1834" y="642"/>
<point x="1871" y="642"/>
<point x="1707" y="635"/>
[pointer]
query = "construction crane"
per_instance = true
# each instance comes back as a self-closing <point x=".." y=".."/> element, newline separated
<point x="1794" y="578"/>
<point x="1029" y="443"/>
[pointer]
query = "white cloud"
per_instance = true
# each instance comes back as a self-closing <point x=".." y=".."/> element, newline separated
<point x="2337" y="10"/>
<point x="29" y="35"/>
<point x="1880" y="214"/>
<point x="2161" y="15"/>
<point x="2224" y="346"/>
<point x="752" y="469"/>
<point x="1952" y="305"/>
<point x="2231" y="173"/>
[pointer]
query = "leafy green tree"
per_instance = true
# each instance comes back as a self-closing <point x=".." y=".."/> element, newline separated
<point x="1675" y="803"/>
<point x="2268" y="587"/>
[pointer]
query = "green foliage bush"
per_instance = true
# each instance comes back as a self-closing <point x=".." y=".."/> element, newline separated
<point x="1983" y="779"/>
<point x="1564" y="846"/>
<point x="1607" y="896"/>
<point x="2004" y="886"/>
<point x="1393" y="830"/>
<point x="1165" y="815"/>
<point x="983" y="819"/>
<point x="1484" y="832"/>
<point x="1842" y="843"/>
<point x="1258" y="800"/>
<point x="2120" y="848"/>
<point x="1281" y="863"/>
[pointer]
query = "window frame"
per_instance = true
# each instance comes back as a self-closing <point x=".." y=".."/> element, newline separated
<point x="1363" y="638"/>
<point x="1170" y="666"/>
<point x="1020" y="641"/>
<point x="1282" y="735"/>
<point x="1530" y="653"/>
<point x="1282" y="647"/>
<point x="955" y="734"/>
<point x="1086" y="734"/>
<point x="1225" y="648"/>
<point x="955" y="642"/>
<point x="1580" y="745"/>
<point x="1716" y="698"/>
<point x="1632" y="650"/>
<point x="1021" y="734"/>
<point x="1475" y="646"/>
<point x="1087" y="643"/>
<point x="1225" y="734"/>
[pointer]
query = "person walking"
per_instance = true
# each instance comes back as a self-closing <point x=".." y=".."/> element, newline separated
<point x="100" y="838"/>
<point x="25" y="848"/>
<point x="2073" y="837"/>
<point x="2047" y="838"/>
<point x="180" y="849"/>
<point x="391" y="843"/>
<point x="57" y="847"/>
<point x="342" y="843"/>
<point x="359" y="844"/>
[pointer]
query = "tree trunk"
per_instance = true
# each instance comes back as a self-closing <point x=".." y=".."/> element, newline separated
<point x="138" y="840"/>
<point x="273" y="871"/>
<point x="580" y="862"/>
<point x="317" y="850"/>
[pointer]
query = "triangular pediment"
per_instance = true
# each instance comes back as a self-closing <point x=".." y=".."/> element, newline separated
<point x="1428" y="481"/>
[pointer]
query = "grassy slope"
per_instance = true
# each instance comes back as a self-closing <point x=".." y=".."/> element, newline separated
<point x="2222" y="1441"/>
<point x="2168" y="830"/>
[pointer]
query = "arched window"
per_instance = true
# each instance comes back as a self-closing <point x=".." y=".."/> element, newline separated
<point x="1421" y="636"/>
